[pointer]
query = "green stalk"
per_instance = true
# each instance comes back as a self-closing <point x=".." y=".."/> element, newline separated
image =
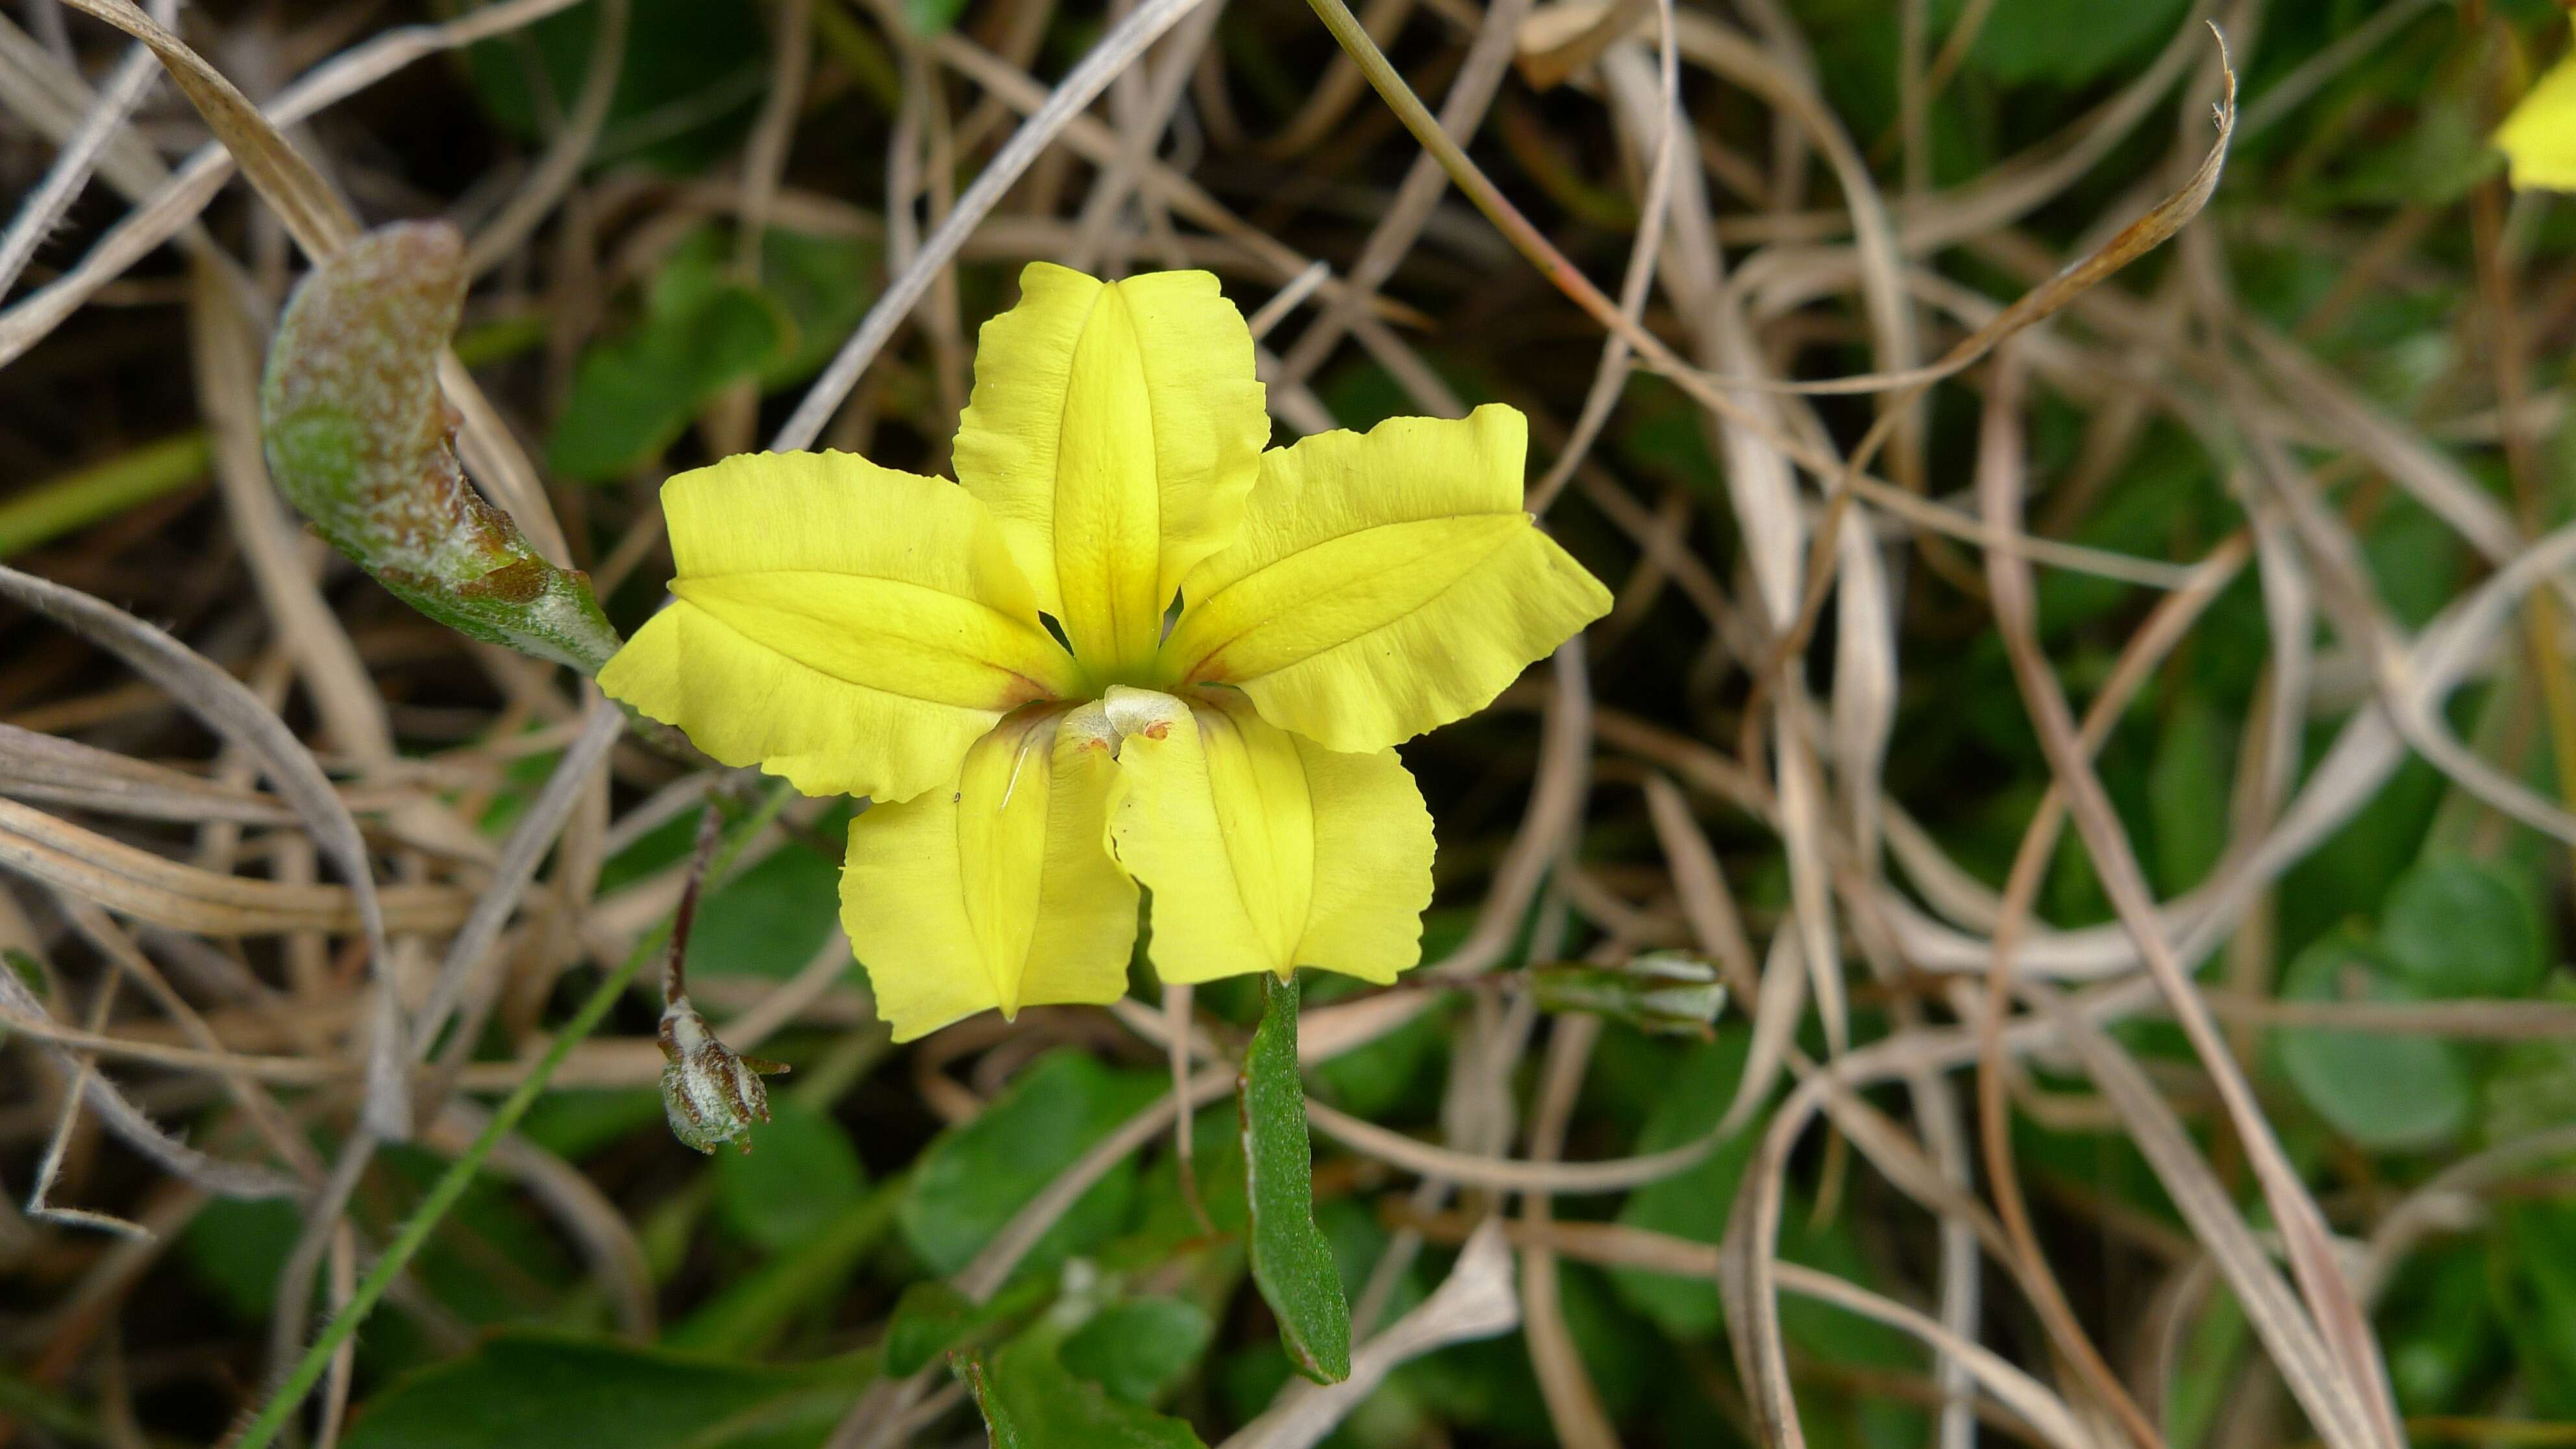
<point x="78" y="499"/>
<point x="451" y="1186"/>
<point x="101" y="491"/>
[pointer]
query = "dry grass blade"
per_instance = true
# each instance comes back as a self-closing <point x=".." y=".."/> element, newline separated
<point x="235" y="713"/>
<point x="43" y="208"/>
<point x="2135" y="240"/>
<point x="1119" y="48"/>
<point x="526" y="850"/>
<point x="2352" y="1403"/>
<point x="25" y="1012"/>
<point x="321" y="225"/>
<point x="310" y="209"/>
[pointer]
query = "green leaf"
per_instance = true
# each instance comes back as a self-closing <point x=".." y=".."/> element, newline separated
<point x="971" y="1179"/>
<point x="1838" y="1336"/>
<point x="2534" y="1244"/>
<point x="526" y="1390"/>
<point x="2437" y="1326"/>
<point x="931" y="18"/>
<point x="2187" y="789"/>
<point x="1291" y="1261"/>
<point x="772" y="918"/>
<point x="1692" y="1203"/>
<point x="1031" y="1400"/>
<point x="2533" y="1086"/>
<point x="2459" y="927"/>
<point x="706" y="328"/>
<point x="2385" y="1091"/>
<point x="803" y="1177"/>
<point x="824" y="286"/>
<point x="2027" y="41"/>
<point x="238" y="1248"/>
<point x="1384" y="1077"/>
<point x="1164" y="1223"/>
<point x="1140" y="1349"/>
<point x="932" y="1318"/>
<point x="752" y="1310"/>
<point x="1001" y="1427"/>
<point x="688" y="83"/>
<point x="633" y="396"/>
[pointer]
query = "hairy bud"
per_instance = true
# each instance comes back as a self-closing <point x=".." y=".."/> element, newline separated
<point x="1664" y="992"/>
<point x="710" y="1094"/>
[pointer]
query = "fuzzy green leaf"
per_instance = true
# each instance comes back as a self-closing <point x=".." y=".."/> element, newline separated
<point x="1291" y="1261"/>
<point x="359" y="440"/>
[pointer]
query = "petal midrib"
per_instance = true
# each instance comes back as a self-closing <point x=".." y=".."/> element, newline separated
<point x="1194" y="672"/>
<point x="1042" y="689"/>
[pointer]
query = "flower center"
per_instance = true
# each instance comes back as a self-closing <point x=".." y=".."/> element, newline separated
<point x="1158" y="673"/>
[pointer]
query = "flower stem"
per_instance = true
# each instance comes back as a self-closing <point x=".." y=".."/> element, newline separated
<point x="263" y="1430"/>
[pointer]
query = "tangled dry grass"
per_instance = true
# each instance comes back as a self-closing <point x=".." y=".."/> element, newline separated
<point x="1859" y="413"/>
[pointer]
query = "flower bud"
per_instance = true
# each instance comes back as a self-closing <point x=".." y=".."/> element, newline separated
<point x="710" y="1094"/>
<point x="359" y="439"/>
<point x="1666" y="993"/>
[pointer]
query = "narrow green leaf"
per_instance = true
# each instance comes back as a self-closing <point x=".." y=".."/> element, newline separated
<point x="1291" y="1261"/>
<point x="1001" y="1430"/>
<point x="1662" y="993"/>
<point x="531" y="1390"/>
<point x="358" y="439"/>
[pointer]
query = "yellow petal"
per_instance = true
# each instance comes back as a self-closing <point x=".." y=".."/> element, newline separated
<point x="846" y="626"/>
<point x="1266" y="851"/>
<point x="1383" y="584"/>
<point x="2539" y="137"/>
<point x="1114" y="431"/>
<point x="998" y="890"/>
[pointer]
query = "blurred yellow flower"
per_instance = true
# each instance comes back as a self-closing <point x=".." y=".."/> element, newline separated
<point x="2539" y="137"/>
<point x="999" y="667"/>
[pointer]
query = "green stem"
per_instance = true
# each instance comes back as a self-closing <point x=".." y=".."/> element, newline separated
<point x="78" y="499"/>
<point x="1471" y="180"/>
<point x="101" y="491"/>
<point x="451" y="1185"/>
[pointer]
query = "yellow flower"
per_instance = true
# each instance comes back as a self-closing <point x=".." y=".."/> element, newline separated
<point x="868" y="632"/>
<point x="2539" y="137"/>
